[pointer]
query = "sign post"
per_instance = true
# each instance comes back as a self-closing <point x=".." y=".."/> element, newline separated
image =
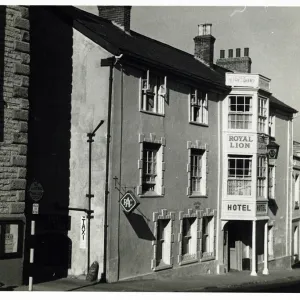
<point x="36" y="192"/>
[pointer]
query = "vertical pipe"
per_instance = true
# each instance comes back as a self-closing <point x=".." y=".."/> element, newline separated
<point x="31" y="259"/>
<point x="104" y="279"/>
<point x="253" y="269"/>
<point x="89" y="204"/>
<point x="265" y="270"/>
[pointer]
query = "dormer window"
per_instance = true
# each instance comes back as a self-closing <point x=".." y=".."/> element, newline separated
<point x="153" y="93"/>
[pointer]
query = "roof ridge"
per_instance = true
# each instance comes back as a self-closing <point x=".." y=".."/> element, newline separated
<point x="172" y="47"/>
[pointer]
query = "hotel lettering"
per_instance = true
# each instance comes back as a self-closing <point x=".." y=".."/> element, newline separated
<point x="243" y="141"/>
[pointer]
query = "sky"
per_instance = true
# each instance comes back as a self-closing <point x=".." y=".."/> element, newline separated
<point x="271" y="33"/>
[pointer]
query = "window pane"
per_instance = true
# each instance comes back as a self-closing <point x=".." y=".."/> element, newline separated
<point x="11" y="238"/>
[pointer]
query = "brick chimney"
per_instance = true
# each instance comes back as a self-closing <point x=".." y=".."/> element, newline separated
<point x="204" y="45"/>
<point x="236" y="64"/>
<point x="119" y="15"/>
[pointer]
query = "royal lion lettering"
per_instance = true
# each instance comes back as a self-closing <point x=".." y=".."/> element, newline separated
<point x="240" y="141"/>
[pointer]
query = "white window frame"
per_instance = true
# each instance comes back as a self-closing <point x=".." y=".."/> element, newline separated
<point x="240" y="177"/>
<point x="153" y="86"/>
<point x="237" y="116"/>
<point x="157" y="174"/>
<point x="261" y="183"/>
<point x="198" y="106"/>
<point x="271" y="181"/>
<point x="189" y="239"/>
<point x="296" y="180"/>
<point x="198" y="172"/>
<point x="208" y="238"/>
<point x="165" y="240"/>
<point x="262" y="114"/>
<point x="272" y="120"/>
<point x="270" y="242"/>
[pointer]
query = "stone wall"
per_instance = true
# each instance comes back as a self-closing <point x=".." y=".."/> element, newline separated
<point x="14" y="107"/>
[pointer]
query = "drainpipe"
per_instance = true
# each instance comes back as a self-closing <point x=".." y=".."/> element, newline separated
<point x="90" y="195"/>
<point x="108" y="62"/>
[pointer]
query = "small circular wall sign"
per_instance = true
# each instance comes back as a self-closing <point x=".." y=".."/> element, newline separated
<point x="36" y="191"/>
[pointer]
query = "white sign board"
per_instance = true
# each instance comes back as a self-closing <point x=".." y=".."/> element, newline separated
<point x="241" y="143"/>
<point x="83" y="233"/>
<point x="35" y="208"/>
<point x="238" y="210"/>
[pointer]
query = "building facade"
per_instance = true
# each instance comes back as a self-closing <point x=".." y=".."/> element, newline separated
<point x="117" y="117"/>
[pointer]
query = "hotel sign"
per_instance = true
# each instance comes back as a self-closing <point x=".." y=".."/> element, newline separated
<point x="238" y="210"/>
<point x="241" y="143"/>
<point x="261" y="209"/>
<point x="248" y="80"/>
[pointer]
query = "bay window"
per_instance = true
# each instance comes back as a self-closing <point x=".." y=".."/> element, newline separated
<point x="239" y="175"/>
<point x="262" y="115"/>
<point x="261" y="176"/>
<point x="240" y="112"/>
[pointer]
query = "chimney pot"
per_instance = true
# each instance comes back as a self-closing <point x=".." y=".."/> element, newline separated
<point x="246" y="52"/>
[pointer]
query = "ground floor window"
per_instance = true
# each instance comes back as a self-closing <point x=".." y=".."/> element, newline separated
<point x="207" y="236"/>
<point x="163" y="252"/>
<point x="189" y="238"/>
<point x="270" y="242"/>
<point x="11" y="238"/>
<point x="296" y="242"/>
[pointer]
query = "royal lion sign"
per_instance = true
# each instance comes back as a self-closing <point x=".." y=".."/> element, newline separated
<point x="128" y="202"/>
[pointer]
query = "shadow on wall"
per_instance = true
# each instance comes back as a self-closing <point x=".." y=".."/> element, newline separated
<point x="140" y="226"/>
<point x="2" y="102"/>
<point x="49" y="143"/>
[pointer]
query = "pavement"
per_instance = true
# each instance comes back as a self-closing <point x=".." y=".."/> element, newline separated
<point x="199" y="283"/>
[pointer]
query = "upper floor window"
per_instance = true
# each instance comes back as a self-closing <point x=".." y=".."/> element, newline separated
<point x="262" y="115"/>
<point x="240" y="112"/>
<point x="239" y="175"/>
<point x="198" y="172"/>
<point x="272" y="125"/>
<point x="198" y="107"/>
<point x="153" y="93"/>
<point x="261" y="176"/>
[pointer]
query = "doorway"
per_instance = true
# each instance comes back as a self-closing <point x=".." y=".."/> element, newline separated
<point x="237" y="247"/>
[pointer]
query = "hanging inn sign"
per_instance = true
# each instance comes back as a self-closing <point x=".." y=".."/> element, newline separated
<point x="129" y="202"/>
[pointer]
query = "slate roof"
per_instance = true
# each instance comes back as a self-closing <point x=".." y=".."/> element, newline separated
<point x="138" y="46"/>
<point x="279" y="104"/>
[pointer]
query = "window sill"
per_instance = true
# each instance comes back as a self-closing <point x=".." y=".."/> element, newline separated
<point x="271" y="258"/>
<point x="207" y="257"/>
<point x="198" y="196"/>
<point x="162" y="267"/>
<point x="198" y="124"/>
<point x="152" y="113"/>
<point x="188" y="261"/>
<point x="151" y="196"/>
